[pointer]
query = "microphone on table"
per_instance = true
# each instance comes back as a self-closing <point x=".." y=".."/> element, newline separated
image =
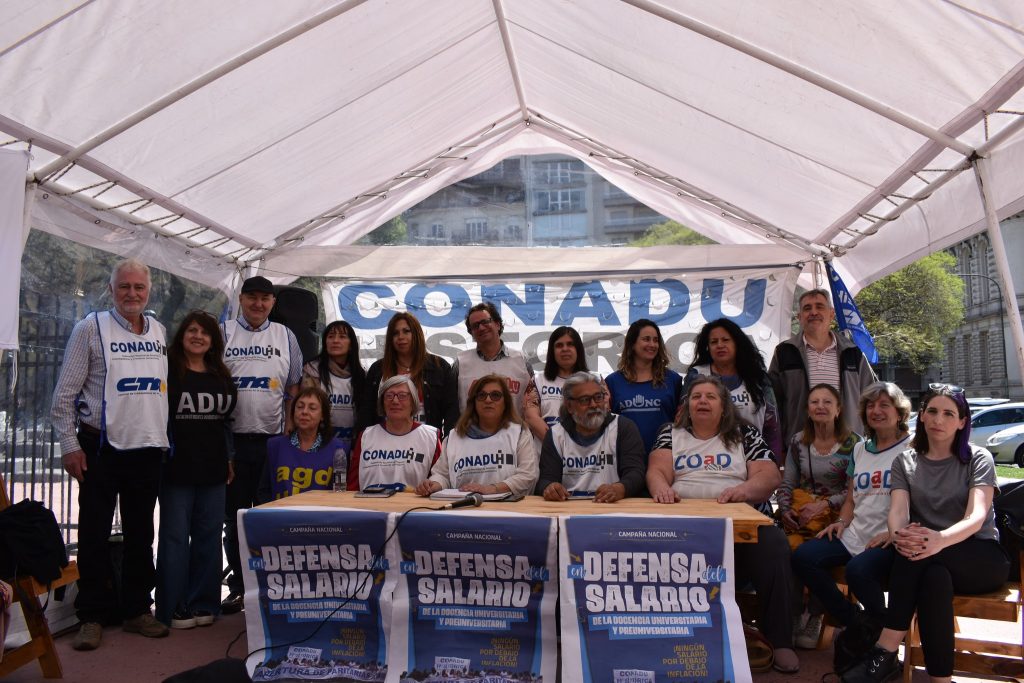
<point x="474" y="500"/>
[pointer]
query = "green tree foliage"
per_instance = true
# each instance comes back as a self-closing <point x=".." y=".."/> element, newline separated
<point x="394" y="232"/>
<point x="910" y="312"/>
<point x="670" y="232"/>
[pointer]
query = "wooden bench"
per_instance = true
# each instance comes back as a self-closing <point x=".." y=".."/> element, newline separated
<point x="974" y="655"/>
<point x="41" y="646"/>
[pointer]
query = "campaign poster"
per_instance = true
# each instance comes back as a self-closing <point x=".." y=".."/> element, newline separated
<point x="481" y="593"/>
<point x="317" y="593"/>
<point x="647" y="599"/>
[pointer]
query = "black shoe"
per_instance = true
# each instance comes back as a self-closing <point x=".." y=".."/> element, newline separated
<point x="233" y="604"/>
<point x="878" y="667"/>
<point x="182" y="618"/>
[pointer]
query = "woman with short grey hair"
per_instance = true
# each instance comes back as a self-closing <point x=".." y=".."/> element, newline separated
<point x="399" y="451"/>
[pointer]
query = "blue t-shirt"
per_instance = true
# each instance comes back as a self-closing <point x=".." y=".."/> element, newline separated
<point x="646" y="405"/>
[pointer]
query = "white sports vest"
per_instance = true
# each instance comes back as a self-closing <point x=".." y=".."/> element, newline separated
<point x="872" y="489"/>
<point x="550" y="392"/>
<point x="343" y="414"/>
<point x="705" y="467"/>
<point x="259" y="363"/>
<point x="482" y="461"/>
<point x="584" y="468"/>
<point x="385" y="458"/>
<point x="135" y="389"/>
<point x="742" y="400"/>
<point x="512" y="367"/>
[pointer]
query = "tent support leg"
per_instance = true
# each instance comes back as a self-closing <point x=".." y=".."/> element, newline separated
<point x="995" y="238"/>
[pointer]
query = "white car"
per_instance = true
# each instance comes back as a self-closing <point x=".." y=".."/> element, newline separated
<point x="987" y="422"/>
<point x="1007" y="446"/>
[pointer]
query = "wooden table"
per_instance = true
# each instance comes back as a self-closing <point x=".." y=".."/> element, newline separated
<point x="745" y="519"/>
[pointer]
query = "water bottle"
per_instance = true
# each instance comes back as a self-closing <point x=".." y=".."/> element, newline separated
<point x="340" y="469"/>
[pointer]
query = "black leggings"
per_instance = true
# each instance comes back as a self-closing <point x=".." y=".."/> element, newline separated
<point x="970" y="567"/>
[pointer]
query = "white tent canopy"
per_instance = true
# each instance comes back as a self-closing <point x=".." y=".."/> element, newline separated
<point x="261" y="134"/>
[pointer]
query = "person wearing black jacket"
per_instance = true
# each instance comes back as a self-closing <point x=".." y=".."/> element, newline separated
<point x="406" y="354"/>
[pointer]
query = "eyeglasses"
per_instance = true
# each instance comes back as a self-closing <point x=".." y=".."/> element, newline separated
<point x="401" y="396"/>
<point x="480" y="323"/>
<point x="493" y="396"/>
<point x="951" y="388"/>
<point x="585" y="401"/>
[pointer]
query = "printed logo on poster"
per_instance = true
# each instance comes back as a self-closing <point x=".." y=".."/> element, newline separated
<point x="632" y="676"/>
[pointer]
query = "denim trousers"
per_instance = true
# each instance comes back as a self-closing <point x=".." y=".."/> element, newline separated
<point x="866" y="575"/>
<point x="188" y="564"/>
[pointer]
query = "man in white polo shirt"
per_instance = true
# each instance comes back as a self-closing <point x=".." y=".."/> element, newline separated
<point x="490" y="356"/>
<point x="817" y="356"/>
<point x="110" y="412"/>
<point x="266" y="363"/>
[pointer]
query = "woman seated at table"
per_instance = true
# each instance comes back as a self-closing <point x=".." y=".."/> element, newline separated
<point x="304" y="459"/>
<point x="398" y="452"/>
<point x="490" y="451"/>
<point x="944" y="530"/>
<point x="859" y="538"/>
<point x="709" y="452"/>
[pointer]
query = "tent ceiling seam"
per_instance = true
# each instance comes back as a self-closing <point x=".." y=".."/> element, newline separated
<point x="731" y="124"/>
<point x="819" y="80"/>
<point x="195" y="84"/>
<point x="282" y="139"/>
<point x="513" y="65"/>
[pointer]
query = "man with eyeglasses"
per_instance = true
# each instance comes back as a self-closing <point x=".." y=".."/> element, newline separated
<point x="590" y="452"/>
<point x="490" y="356"/>
<point x="266" y="363"/>
<point x="815" y="356"/>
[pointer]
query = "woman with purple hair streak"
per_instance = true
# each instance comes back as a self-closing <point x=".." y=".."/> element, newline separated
<point x="942" y="524"/>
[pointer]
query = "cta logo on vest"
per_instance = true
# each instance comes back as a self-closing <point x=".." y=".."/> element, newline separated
<point x="710" y="462"/>
<point x="141" y="385"/>
<point x="258" y="383"/>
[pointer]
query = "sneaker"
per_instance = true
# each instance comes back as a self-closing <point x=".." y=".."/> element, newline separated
<point x="88" y="637"/>
<point x="146" y="625"/>
<point x="203" y="617"/>
<point x="233" y="604"/>
<point x="807" y="637"/>
<point x="878" y="667"/>
<point x="182" y="618"/>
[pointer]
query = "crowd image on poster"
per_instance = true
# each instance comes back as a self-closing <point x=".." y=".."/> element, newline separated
<point x="311" y="565"/>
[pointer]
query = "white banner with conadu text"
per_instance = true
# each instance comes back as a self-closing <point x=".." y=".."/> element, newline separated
<point x="760" y="301"/>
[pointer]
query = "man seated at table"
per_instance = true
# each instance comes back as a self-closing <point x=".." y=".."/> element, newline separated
<point x="710" y="452"/>
<point x="589" y="451"/>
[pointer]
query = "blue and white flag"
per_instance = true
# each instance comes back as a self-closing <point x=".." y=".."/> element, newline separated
<point x="849" y="317"/>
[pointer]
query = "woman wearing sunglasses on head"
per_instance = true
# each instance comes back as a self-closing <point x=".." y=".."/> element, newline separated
<point x="398" y="452"/>
<point x="489" y="451"/>
<point x="405" y="353"/>
<point x="943" y="526"/>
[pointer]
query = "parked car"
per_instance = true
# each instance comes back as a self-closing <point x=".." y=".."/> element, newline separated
<point x="979" y="403"/>
<point x="987" y="422"/>
<point x="1007" y="446"/>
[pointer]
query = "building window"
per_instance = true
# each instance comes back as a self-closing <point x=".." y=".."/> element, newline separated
<point x="559" y="172"/>
<point x="513" y="232"/>
<point x="951" y="360"/>
<point x="983" y="358"/>
<point x="437" y="230"/>
<point x="968" y="370"/>
<point x="559" y="201"/>
<point x="476" y="229"/>
<point x="618" y="216"/>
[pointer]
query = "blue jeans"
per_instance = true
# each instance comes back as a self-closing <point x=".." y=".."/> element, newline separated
<point x="866" y="574"/>
<point x="188" y="564"/>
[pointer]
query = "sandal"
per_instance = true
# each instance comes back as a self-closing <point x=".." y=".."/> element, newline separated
<point x="760" y="652"/>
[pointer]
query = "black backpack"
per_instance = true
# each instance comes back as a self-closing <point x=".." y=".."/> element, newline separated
<point x="1009" y="509"/>
<point x="31" y="543"/>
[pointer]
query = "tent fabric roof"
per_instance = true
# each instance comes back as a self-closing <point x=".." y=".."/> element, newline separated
<point x="253" y="132"/>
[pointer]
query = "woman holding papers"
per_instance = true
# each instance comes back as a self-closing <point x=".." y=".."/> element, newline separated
<point x="710" y="452"/>
<point x="398" y="452"/>
<point x="490" y="451"/>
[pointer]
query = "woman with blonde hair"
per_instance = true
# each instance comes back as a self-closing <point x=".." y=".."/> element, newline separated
<point x="490" y="451"/>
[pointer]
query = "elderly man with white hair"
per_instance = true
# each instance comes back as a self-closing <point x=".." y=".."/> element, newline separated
<point x="398" y="452"/>
<point x="590" y="452"/>
<point x="110" y="412"/>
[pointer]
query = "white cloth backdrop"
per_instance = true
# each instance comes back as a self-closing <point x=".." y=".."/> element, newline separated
<point x="13" y="167"/>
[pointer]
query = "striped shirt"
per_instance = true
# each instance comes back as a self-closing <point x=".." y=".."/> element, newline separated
<point x="823" y="367"/>
<point x="79" y="390"/>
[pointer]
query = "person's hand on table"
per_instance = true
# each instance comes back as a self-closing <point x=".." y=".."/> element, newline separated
<point x="555" y="492"/>
<point x="482" y="489"/>
<point x="425" y="488"/>
<point x="733" y="494"/>
<point x="609" y="493"/>
<point x="665" y="495"/>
